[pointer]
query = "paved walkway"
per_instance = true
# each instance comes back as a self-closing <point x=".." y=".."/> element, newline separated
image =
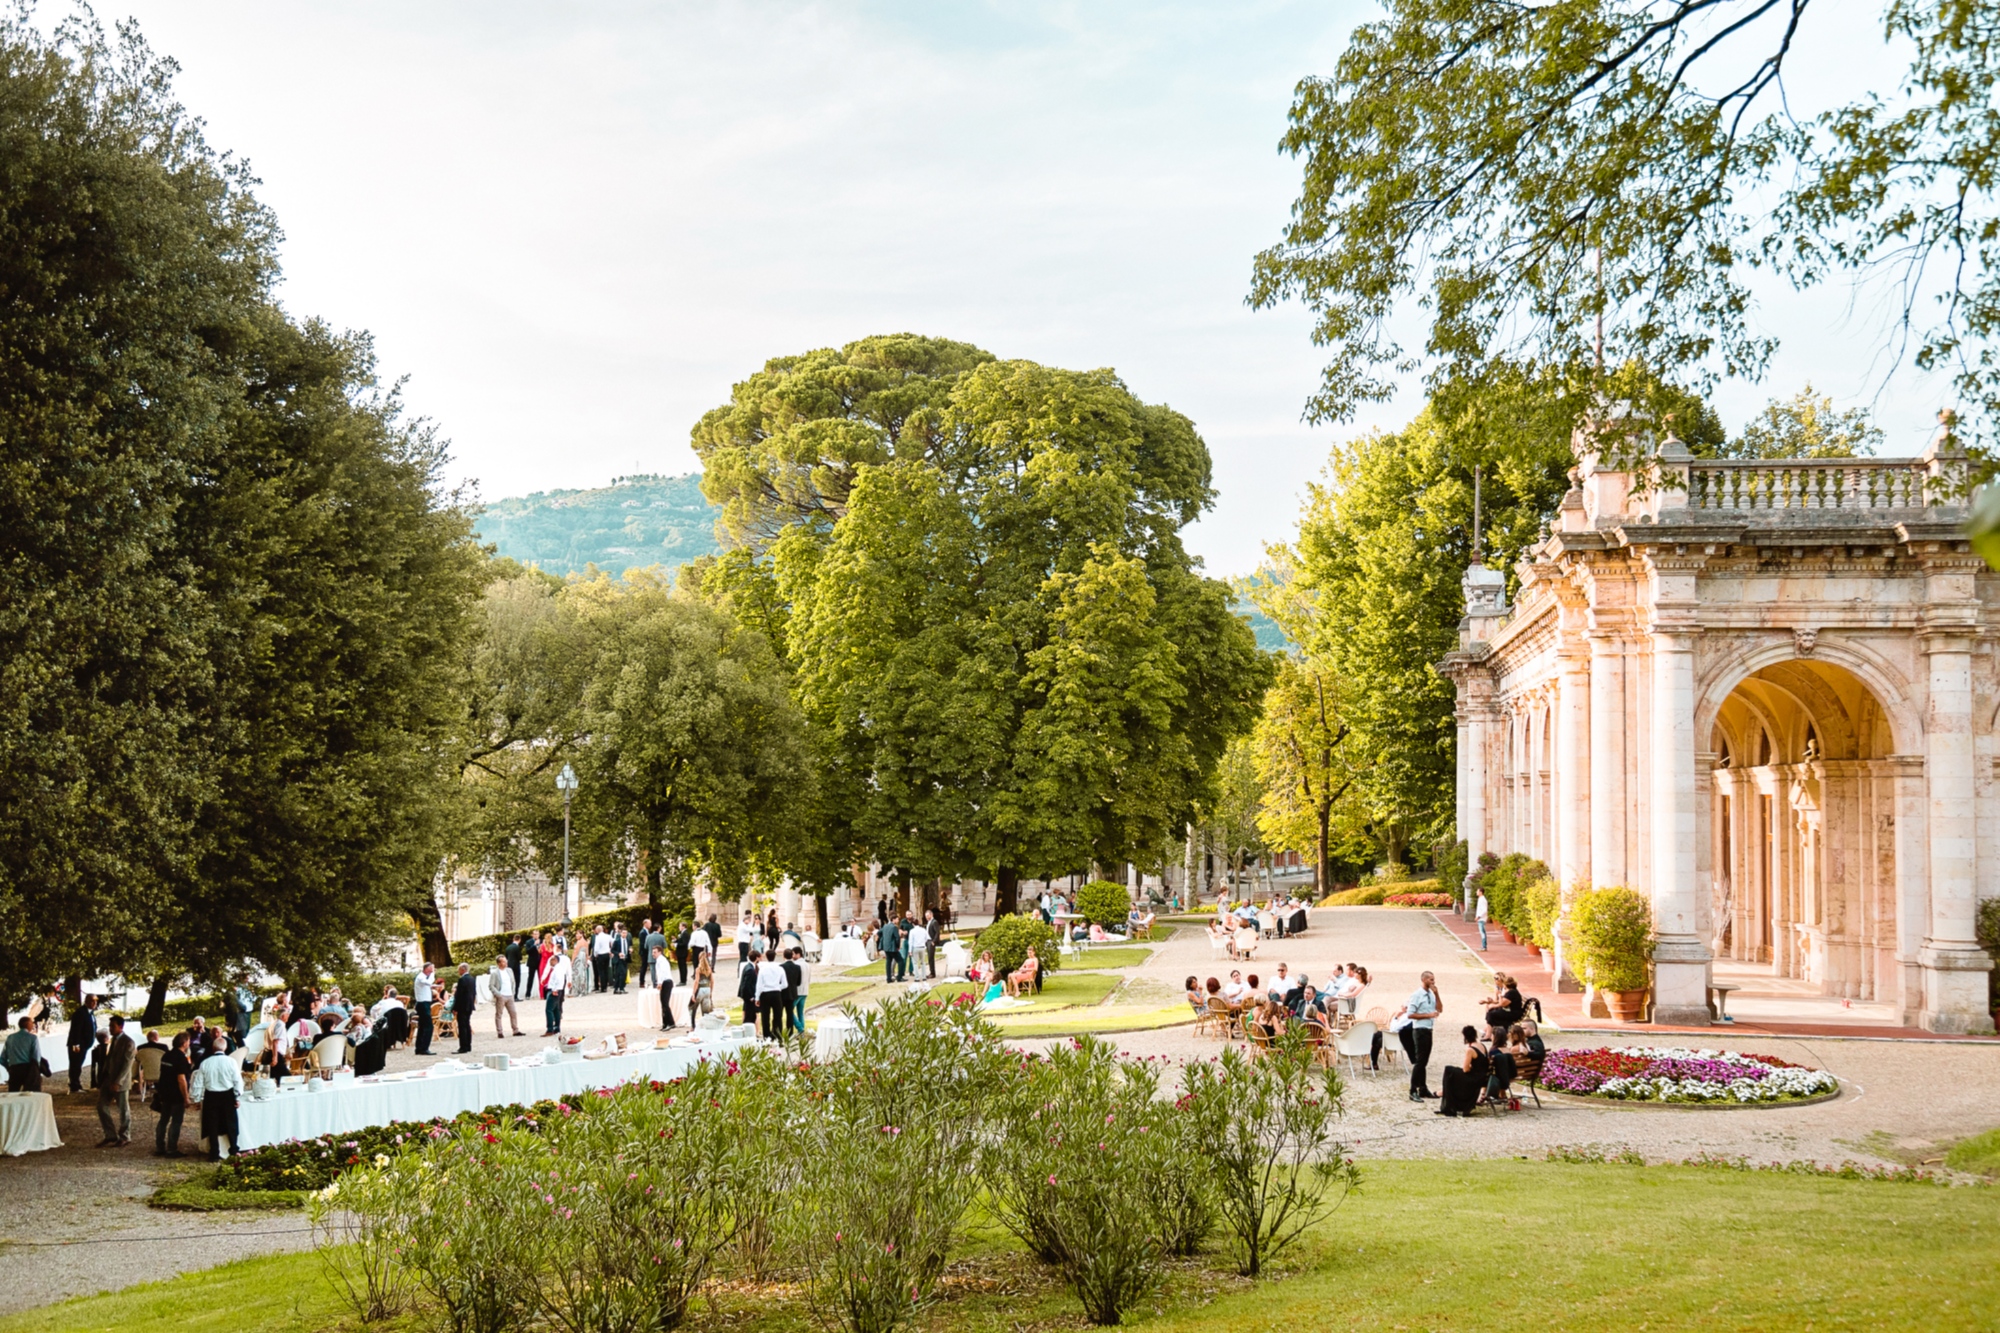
<point x="1900" y="1099"/>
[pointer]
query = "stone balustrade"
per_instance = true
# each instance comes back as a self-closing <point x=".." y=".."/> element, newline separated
<point x="1849" y="485"/>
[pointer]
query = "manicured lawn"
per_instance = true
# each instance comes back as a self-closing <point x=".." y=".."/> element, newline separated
<point x="1070" y="1022"/>
<point x="1476" y="1245"/>
<point x="1060" y="990"/>
<point x="832" y="992"/>
<point x="1979" y="1154"/>
<point x="1129" y="955"/>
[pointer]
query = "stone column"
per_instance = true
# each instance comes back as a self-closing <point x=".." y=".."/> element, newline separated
<point x="1574" y="793"/>
<point x="1954" y="966"/>
<point x="1912" y="882"/>
<point x="1680" y="957"/>
<point x="1608" y="726"/>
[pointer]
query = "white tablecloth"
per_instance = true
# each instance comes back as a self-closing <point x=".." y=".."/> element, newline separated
<point x="348" y="1105"/>
<point x="843" y="952"/>
<point x="27" y="1123"/>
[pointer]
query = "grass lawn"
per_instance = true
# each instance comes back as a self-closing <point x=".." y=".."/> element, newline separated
<point x="1060" y="990"/>
<point x="832" y="992"/>
<point x="1068" y="1023"/>
<point x="1979" y="1154"/>
<point x="1474" y="1246"/>
<point x="197" y="1194"/>
<point x="1127" y="955"/>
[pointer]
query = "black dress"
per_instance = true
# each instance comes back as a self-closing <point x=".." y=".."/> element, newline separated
<point x="1463" y="1086"/>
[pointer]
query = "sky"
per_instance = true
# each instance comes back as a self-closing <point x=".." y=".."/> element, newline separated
<point x="573" y="226"/>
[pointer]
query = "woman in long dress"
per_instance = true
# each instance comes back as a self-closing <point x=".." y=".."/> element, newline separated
<point x="1464" y="1081"/>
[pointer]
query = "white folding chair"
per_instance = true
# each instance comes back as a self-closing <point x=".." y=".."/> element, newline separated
<point x="1355" y="1044"/>
<point x="328" y="1053"/>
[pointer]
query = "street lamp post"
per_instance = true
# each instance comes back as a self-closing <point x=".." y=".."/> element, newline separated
<point x="566" y="783"/>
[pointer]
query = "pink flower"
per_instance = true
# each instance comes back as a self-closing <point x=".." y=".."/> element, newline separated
<point x="1052" y="1180"/>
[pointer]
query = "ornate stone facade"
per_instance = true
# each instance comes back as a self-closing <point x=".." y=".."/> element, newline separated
<point x="1763" y="693"/>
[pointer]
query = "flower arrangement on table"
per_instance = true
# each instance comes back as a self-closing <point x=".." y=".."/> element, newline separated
<point x="1679" y="1074"/>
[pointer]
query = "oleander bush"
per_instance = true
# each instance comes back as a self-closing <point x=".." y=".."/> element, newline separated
<point x="1613" y="935"/>
<point x="1103" y="903"/>
<point x="1431" y="900"/>
<point x="1544" y="903"/>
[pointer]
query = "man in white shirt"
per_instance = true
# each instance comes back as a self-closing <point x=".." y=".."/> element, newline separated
<point x="918" y="944"/>
<point x="390" y="1000"/>
<point x="1235" y="992"/>
<point x="600" y="959"/>
<point x="770" y="990"/>
<point x="421" y="994"/>
<point x="555" y="985"/>
<point x="500" y="985"/>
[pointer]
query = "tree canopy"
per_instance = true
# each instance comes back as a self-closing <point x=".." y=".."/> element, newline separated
<point x="1525" y="170"/>
<point x="1012" y="663"/>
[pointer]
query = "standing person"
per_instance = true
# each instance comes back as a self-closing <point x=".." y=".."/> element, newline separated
<point x="511" y="957"/>
<point x="1480" y="912"/>
<point x="465" y="1005"/>
<point x="232" y="1010"/>
<point x="701" y="948"/>
<point x="932" y="929"/>
<point x="22" y="1058"/>
<point x="703" y="999"/>
<point x="500" y="985"/>
<point x="714" y="932"/>
<point x="771" y="1005"/>
<point x="882" y="910"/>
<point x="794" y="977"/>
<point x="114" y="1086"/>
<point x="600" y="958"/>
<point x="746" y="987"/>
<point x="890" y="943"/>
<point x="82" y="1037"/>
<point x="170" y="1096"/>
<point x="804" y="989"/>
<point x="1422" y="1009"/>
<point x="423" y="990"/>
<point x="621" y="959"/>
<point x="916" y="945"/>
<point x="746" y="935"/>
<point x="646" y="977"/>
<point x="531" y="968"/>
<point x="657" y="966"/>
<point x="216" y="1085"/>
<point x="555" y="981"/>
<point x="682" y="938"/>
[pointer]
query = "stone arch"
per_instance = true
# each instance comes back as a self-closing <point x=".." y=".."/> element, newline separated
<point x="1802" y="840"/>
<point x="1891" y="689"/>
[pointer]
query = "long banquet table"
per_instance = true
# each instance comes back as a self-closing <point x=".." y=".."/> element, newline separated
<point x="345" y="1105"/>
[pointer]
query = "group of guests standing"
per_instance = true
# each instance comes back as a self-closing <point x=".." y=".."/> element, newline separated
<point x="907" y="946"/>
<point x="773" y="988"/>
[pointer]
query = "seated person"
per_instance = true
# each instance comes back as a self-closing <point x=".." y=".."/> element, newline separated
<point x="1235" y="994"/>
<point x="1270" y="1018"/>
<point x="1464" y="1081"/>
<point x="982" y="969"/>
<point x="390" y="1000"/>
<point x="1023" y="977"/>
<point x="1196" y="997"/>
<point x="1246" y="941"/>
<point x="1531" y="1038"/>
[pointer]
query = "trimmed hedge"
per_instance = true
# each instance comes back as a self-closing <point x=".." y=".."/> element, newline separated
<point x="1103" y="903"/>
<point x="1009" y="939"/>
<point x="1432" y="900"/>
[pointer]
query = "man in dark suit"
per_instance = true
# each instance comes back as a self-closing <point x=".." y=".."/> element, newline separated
<point x="794" y="974"/>
<point x="114" y="1086"/>
<point x="82" y="1036"/>
<point x="714" y="929"/>
<point x="512" y="953"/>
<point x="681" y="937"/>
<point x="531" y="967"/>
<point x="621" y="959"/>
<point x="746" y="986"/>
<point x="465" y="1004"/>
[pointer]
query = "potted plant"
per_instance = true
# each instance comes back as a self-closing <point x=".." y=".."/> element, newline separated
<point x="1544" y="901"/>
<point x="1614" y="947"/>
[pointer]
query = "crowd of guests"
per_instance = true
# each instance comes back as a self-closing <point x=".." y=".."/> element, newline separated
<point x="1288" y="998"/>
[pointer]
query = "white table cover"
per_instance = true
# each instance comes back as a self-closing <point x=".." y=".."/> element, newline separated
<point x="831" y="1035"/>
<point x="843" y="952"/>
<point x="348" y="1105"/>
<point x="27" y="1123"/>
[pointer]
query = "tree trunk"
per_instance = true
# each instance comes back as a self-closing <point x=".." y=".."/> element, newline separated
<point x="819" y="913"/>
<point x="72" y="992"/>
<point x="902" y="903"/>
<point x="431" y="938"/>
<point x="1006" y="892"/>
<point x="933" y="890"/>
<point x="156" y="1004"/>
<point x="653" y="883"/>
<point x="1322" y="866"/>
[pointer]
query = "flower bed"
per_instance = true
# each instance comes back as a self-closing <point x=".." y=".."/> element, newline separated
<point x="1678" y="1074"/>
<point x="1418" y="900"/>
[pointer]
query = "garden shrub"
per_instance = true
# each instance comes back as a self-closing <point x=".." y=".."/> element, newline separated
<point x="1431" y="900"/>
<point x="1268" y="1123"/>
<point x="1009" y="938"/>
<point x="467" y="1226"/>
<point x="1505" y="884"/>
<point x="359" y="1234"/>
<point x="1988" y="932"/>
<point x="1103" y="903"/>
<point x="899" y="1119"/>
<point x="1475" y="879"/>
<point x="1074" y="1171"/>
<point x="1544" y="903"/>
<point x="1363" y="895"/>
<point x="1451" y="867"/>
<point x="1613" y="935"/>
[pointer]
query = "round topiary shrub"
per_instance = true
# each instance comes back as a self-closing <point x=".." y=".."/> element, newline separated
<point x="1103" y="903"/>
<point x="1614" y="937"/>
<point x="1009" y="938"/>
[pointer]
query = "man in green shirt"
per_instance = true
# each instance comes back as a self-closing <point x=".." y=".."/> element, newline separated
<point x="22" y="1058"/>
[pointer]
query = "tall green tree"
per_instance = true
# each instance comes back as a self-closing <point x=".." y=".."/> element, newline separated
<point x="1525" y="171"/>
<point x="1308" y="762"/>
<point x="1013" y="663"/>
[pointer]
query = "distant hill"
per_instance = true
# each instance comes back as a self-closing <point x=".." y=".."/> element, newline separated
<point x="1269" y="637"/>
<point x="631" y="524"/>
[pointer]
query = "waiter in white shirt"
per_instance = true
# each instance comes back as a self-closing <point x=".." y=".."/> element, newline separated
<point x="421" y="988"/>
<point x="771" y="981"/>
<point x="555" y="985"/>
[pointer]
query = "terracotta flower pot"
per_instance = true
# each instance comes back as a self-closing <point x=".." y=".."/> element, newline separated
<point x="1508" y="935"/>
<point x="1627" y="1006"/>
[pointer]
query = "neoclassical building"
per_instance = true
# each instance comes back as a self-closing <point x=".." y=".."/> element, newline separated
<point x="1764" y="694"/>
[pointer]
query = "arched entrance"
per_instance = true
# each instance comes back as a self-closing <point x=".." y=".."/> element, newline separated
<point x="1803" y="840"/>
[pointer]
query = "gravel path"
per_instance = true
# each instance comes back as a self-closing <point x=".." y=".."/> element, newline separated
<point x="1899" y="1098"/>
